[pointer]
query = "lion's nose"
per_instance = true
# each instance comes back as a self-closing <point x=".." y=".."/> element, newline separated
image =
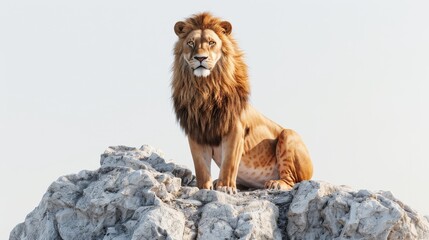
<point x="200" y="59"/>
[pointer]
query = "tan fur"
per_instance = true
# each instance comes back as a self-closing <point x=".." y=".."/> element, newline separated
<point x="210" y="93"/>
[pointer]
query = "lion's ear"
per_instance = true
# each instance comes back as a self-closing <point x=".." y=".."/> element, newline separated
<point x="227" y="27"/>
<point x="180" y="28"/>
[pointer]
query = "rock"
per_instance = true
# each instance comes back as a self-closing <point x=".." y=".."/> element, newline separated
<point x="339" y="212"/>
<point x="254" y="219"/>
<point x="137" y="194"/>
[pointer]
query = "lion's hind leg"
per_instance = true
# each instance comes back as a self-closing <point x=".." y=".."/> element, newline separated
<point x="293" y="161"/>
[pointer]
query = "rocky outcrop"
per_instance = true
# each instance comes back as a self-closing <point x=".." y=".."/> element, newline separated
<point x="137" y="194"/>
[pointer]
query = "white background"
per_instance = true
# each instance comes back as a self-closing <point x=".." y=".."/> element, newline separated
<point x="352" y="77"/>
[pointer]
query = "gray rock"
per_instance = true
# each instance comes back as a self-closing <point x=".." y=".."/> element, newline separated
<point x="321" y="210"/>
<point x="137" y="194"/>
<point x="254" y="219"/>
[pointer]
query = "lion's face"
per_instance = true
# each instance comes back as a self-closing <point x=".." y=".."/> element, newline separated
<point x="202" y="49"/>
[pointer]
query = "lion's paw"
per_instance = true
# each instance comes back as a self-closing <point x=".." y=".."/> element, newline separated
<point x="221" y="187"/>
<point x="228" y="190"/>
<point x="277" y="185"/>
<point x="206" y="185"/>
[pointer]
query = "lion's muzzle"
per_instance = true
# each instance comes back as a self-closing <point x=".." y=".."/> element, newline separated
<point x="200" y="66"/>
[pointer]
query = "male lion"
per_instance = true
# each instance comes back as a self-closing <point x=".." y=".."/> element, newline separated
<point x="210" y="91"/>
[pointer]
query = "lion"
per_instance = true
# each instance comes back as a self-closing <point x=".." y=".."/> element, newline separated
<point x="210" y="93"/>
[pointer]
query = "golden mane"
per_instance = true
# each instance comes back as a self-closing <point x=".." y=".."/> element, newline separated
<point x="206" y="108"/>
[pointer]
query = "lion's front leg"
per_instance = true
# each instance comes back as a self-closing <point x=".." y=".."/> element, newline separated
<point x="232" y="150"/>
<point x="202" y="156"/>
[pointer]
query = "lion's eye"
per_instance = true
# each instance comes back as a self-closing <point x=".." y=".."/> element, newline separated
<point x="191" y="44"/>
<point x="212" y="43"/>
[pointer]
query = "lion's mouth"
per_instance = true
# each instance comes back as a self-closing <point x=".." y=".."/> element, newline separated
<point x="201" y="71"/>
